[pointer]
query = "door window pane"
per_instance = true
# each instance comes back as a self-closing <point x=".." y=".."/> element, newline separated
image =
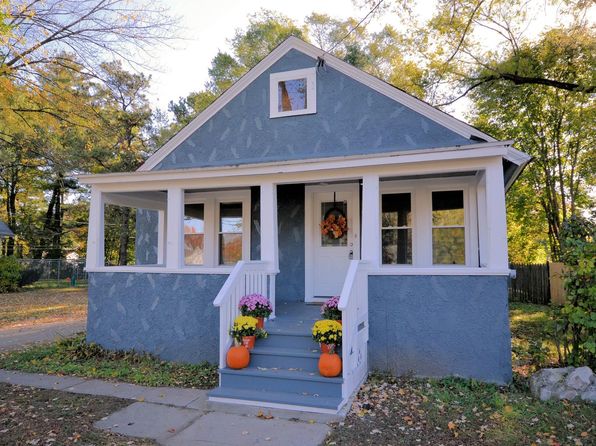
<point x="194" y="233"/>
<point x="396" y="232"/>
<point x="448" y="237"/>
<point x="341" y="209"/>
<point x="291" y="95"/>
<point x="230" y="233"/>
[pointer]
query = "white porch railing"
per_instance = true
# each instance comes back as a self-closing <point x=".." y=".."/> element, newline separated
<point x="353" y="303"/>
<point x="247" y="277"/>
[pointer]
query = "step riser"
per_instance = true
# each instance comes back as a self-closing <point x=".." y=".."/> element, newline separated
<point x="294" y="362"/>
<point x="296" y="342"/>
<point x="265" y="384"/>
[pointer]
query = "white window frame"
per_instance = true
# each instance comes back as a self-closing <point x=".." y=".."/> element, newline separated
<point x="211" y="202"/>
<point x="310" y="74"/>
<point x="421" y="193"/>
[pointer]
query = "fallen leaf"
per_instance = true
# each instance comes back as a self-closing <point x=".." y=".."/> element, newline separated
<point x="451" y="425"/>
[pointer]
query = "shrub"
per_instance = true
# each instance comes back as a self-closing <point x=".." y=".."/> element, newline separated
<point x="10" y="274"/>
<point x="575" y="322"/>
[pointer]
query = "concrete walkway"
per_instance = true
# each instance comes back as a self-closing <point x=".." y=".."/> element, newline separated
<point x="175" y="416"/>
<point x="18" y="337"/>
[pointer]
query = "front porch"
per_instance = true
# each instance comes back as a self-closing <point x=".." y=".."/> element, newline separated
<point x="207" y="237"/>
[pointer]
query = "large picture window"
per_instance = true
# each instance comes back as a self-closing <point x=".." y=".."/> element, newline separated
<point x="448" y="228"/>
<point x="396" y="229"/>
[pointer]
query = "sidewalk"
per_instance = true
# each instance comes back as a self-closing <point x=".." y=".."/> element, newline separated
<point x="18" y="337"/>
<point x="176" y="416"/>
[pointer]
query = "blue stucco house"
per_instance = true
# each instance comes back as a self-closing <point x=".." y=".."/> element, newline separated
<point x="233" y="204"/>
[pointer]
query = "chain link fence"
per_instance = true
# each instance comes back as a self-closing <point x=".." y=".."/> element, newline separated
<point x="53" y="272"/>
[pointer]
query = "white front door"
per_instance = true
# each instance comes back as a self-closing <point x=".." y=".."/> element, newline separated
<point x="328" y="257"/>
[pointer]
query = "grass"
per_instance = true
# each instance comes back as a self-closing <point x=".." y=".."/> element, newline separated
<point x="31" y="416"/>
<point x="72" y="356"/>
<point x="50" y="283"/>
<point x="402" y="411"/>
<point x="531" y="342"/>
<point x="36" y="306"/>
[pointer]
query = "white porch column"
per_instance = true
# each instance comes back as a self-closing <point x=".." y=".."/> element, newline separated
<point x="496" y="216"/>
<point x="174" y="221"/>
<point x="371" y="221"/>
<point x="95" y="233"/>
<point x="268" y="223"/>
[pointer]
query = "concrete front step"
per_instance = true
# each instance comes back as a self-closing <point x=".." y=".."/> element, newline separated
<point x="269" y="357"/>
<point x="276" y="399"/>
<point x="281" y="380"/>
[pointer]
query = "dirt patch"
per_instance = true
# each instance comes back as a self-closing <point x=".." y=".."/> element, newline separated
<point x="42" y="306"/>
<point x="30" y="416"/>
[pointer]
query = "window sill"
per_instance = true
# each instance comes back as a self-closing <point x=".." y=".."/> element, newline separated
<point x="160" y="269"/>
<point x="438" y="271"/>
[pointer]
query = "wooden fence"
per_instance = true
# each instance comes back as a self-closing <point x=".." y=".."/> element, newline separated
<point x="531" y="285"/>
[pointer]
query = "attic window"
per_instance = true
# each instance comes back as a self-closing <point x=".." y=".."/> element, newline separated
<point x="293" y="93"/>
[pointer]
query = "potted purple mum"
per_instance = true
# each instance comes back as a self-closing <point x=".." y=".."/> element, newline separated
<point x="257" y="306"/>
<point x="329" y="309"/>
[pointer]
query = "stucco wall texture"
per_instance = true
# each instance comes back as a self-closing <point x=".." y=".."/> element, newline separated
<point x="146" y="237"/>
<point x="351" y="119"/>
<point x="440" y="326"/>
<point x="169" y="315"/>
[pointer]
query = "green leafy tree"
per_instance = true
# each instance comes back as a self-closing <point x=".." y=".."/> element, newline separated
<point x="576" y="321"/>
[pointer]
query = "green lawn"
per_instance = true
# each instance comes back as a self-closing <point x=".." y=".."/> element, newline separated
<point x="72" y="356"/>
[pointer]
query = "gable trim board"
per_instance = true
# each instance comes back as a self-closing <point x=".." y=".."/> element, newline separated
<point x="366" y="79"/>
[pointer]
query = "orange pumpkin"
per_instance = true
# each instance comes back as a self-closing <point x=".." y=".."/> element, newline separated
<point x="329" y="365"/>
<point x="238" y="357"/>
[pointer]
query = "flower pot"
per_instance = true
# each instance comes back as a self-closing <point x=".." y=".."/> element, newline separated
<point x="238" y="357"/>
<point x="327" y="348"/>
<point x="329" y="365"/>
<point x="261" y="322"/>
<point x="249" y="341"/>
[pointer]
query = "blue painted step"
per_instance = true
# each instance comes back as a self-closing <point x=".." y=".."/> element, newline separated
<point x="330" y="403"/>
<point x="303" y="359"/>
<point x="281" y="380"/>
<point x="288" y="339"/>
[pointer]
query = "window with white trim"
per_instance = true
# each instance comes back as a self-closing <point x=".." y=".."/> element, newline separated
<point x="430" y="222"/>
<point x="293" y="93"/>
<point x="216" y="228"/>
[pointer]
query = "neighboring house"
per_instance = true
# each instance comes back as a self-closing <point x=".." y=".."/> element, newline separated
<point x="233" y="203"/>
<point x="5" y="234"/>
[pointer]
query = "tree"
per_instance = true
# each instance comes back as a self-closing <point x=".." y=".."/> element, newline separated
<point x="469" y="43"/>
<point x="40" y="35"/>
<point x="555" y="127"/>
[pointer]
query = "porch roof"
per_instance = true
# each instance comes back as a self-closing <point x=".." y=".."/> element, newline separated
<point x="348" y="164"/>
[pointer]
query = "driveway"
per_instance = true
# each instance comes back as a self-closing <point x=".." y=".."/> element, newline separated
<point x="18" y="337"/>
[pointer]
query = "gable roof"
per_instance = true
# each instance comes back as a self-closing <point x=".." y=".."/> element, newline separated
<point x="293" y="43"/>
<point x="5" y="230"/>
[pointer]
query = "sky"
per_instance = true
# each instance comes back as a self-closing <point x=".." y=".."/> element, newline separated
<point x="207" y="26"/>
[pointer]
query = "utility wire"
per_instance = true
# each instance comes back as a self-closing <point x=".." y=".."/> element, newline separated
<point x="374" y="8"/>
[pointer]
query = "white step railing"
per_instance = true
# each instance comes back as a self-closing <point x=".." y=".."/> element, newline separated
<point x="353" y="303"/>
<point x="247" y="277"/>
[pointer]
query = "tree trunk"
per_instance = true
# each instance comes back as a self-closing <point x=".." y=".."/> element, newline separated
<point x="124" y="236"/>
